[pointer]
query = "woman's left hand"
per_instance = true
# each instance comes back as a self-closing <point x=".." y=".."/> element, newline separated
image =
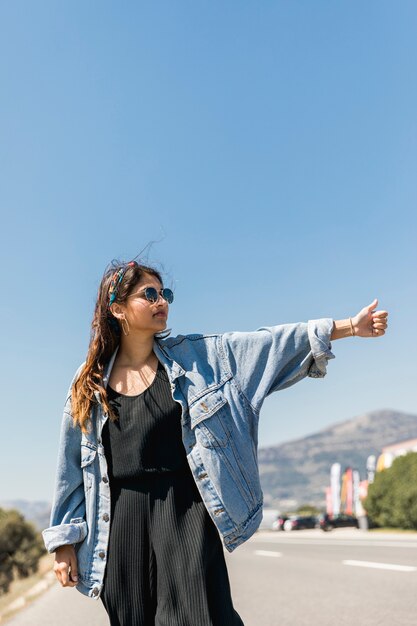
<point x="370" y="323"/>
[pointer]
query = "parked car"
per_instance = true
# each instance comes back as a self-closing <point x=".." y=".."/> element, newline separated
<point x="342" y="520"/>
<point x="300" y="522"/>
<point x="278" y="524"/>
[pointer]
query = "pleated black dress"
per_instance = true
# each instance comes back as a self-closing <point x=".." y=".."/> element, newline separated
<point x="165" y="564"/>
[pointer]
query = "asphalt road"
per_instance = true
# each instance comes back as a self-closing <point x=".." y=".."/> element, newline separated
<point x="289" y="579"/>
<point x="325" y="579"/>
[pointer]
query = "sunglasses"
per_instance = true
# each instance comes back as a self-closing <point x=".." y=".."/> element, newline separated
<point x="152" y="295"/>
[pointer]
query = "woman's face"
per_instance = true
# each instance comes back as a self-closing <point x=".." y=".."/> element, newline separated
<point x="143" y="315"/>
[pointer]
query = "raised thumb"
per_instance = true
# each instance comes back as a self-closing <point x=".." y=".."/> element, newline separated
<point x="373" y="304"/>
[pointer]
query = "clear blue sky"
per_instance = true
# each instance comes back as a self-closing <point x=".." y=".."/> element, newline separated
<point x="269" y="147"/>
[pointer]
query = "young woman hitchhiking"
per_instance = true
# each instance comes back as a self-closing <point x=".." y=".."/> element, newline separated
<point x="157" y="464"/>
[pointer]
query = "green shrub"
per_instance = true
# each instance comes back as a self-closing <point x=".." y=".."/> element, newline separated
<point x="21" y="547"/>
<point x="392" y="497"/>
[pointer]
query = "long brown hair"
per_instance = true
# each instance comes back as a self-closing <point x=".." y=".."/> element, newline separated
<point x="104" y="339"/>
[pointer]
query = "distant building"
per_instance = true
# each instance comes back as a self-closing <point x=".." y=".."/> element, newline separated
<point x="389" y="453"/>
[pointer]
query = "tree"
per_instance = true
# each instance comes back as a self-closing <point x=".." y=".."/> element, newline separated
<point x="392" y="497"/>
<point x="20" y="548"/>
<point x="308" y="509"/>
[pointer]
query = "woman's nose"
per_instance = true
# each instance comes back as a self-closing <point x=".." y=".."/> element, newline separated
<point x="161" y="304"/>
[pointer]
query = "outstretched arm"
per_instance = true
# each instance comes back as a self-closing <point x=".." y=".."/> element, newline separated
<point x="272" y="358"/>
<point x="367" y="323"/>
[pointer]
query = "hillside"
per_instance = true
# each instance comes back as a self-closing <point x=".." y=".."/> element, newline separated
<point x="297" y="472"/>
<point x="36" y="511"/>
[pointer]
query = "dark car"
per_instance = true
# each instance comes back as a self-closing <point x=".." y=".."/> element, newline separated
<point x="300" y="522"/>
<point x="278" y="524"/>
<point x="342" y="520"/>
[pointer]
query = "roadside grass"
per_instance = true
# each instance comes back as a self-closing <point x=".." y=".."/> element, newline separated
<point x="20" y="586"/>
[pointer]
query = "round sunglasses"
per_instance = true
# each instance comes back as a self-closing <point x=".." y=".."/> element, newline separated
<point x="152" y="295"/>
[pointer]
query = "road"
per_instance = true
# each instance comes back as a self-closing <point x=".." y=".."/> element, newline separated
<point x="314" y="582"/>
<point x="289" y="579"/>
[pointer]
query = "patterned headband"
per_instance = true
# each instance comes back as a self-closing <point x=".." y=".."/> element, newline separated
<point x="116" y="280"/>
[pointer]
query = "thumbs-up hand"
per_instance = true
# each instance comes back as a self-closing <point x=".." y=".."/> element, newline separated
<point x="370" y="323"/>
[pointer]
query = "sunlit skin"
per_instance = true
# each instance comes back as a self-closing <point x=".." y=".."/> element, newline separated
<point x="135" y="365"/>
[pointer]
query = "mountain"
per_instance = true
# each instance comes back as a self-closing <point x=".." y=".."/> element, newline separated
<point x="36" y="511"/>
<point x="297" y="472"/>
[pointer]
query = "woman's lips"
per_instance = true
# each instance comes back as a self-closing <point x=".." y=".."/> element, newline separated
<point x="160" y="315"/>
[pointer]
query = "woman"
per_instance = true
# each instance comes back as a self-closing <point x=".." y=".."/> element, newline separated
<point x="157" y="464"/>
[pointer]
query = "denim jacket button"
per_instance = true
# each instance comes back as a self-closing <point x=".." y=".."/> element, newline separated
<point x="96" y="591"/>
<point x="106" y="517"/>
<point x="105" y="479"/>
<point x="102" y="554"/>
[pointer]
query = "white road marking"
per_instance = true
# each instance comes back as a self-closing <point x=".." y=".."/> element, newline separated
<point x="267" y="553"/>
<point x="336" y="542"/>
<point x="391" y="566"/>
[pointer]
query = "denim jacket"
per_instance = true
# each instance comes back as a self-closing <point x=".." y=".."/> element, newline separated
<point x="220" y="381"/>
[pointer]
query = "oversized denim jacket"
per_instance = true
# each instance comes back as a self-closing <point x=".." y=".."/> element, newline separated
<point x="220" y="381"/>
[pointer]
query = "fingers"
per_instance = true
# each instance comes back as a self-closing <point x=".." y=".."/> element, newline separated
<point x="74" y="569"/>
<point x="61" y="572"/>
<point x="58" y="575"/>
<point x="379" y="323"/>
<point x="66" y="574"/>
<point x="380" y="320"/>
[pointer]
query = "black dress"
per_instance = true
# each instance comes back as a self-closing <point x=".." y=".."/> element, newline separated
<point x="165" y="564"/>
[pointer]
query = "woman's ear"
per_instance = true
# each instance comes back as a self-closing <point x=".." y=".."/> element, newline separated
<point x="117" y="310"/>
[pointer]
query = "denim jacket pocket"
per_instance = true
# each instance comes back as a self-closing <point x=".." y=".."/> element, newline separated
<point x="209" y="416"/>
<point x="88" y="454"/>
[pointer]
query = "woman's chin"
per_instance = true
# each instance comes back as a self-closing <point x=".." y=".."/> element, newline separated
<point x="162" y="321"/>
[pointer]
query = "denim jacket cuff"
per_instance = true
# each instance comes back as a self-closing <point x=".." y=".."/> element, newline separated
<point x="319" y="333"/>
<point x="65" y="534"/>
